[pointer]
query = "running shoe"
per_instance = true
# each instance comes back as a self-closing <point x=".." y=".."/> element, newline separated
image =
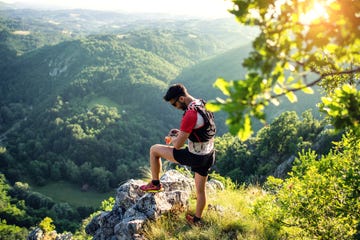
<point x="150" y="187"/>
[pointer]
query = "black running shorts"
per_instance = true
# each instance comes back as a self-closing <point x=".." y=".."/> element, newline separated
<point x="200" y="164"/>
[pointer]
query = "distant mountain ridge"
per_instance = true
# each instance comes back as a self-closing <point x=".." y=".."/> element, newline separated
<point x="51" y="69"/>
<point x="31" y="28"/>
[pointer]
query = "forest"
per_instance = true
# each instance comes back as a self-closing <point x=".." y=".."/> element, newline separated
<point x="83" y="105"/>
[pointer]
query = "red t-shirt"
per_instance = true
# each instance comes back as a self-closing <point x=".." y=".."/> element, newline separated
<point x="188" y="121"/>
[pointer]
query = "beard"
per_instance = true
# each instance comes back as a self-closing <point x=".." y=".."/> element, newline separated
<point x="183" y="106"/>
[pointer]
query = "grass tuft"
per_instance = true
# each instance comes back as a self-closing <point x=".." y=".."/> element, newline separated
<point x="228" y="216"/>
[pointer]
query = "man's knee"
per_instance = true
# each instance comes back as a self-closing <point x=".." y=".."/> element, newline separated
<point x="154" y="149"/>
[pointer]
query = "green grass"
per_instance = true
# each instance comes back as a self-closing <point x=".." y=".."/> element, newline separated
<point x="230" y="217"/>
<point x="72" y="194"/>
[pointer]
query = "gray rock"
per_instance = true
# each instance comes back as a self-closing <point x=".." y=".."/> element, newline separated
<point x="38" y="234"/>
<point x="282" y="170"/>
<point x="214" y="185"/>
<point x="133" y="207"/>
<point x="128" y="193"/>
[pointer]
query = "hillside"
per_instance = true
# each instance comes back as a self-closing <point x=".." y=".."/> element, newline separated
<point x="63" y="84"/>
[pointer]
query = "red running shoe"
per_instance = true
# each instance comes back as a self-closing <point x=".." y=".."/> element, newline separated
<point x="150" y="187"/>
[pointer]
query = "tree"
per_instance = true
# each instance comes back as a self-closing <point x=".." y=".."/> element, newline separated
<point x="285" y="130"/>
<point x="9" y="213"/>
<point x="12" y="231"/>
<point x="7" y="209"/>
<point x="301" y="44"/>
<point x="101" y="179"/>
<point x="47" y="225"/>
<point x="234" y="158"/>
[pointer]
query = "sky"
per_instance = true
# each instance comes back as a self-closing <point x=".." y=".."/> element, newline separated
<point x="201" y="8"/>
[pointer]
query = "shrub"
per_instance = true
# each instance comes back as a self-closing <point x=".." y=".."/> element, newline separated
<point x="47" y="225"/>
<point x="321" y="198"/>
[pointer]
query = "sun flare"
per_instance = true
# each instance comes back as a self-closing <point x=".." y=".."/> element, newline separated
<point x="318" y="11"/>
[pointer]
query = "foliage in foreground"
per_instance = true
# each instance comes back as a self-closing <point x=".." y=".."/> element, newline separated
<point x="321" y="198"/>
<point x="295" y="50"/>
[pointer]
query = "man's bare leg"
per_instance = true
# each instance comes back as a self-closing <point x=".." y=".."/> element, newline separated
<point x="157" y="152"/>
<point x="200" y="184"/>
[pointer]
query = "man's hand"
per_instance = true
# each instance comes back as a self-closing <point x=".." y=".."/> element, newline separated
<point x="173" y="132"/>
<point x="179" y="140"/>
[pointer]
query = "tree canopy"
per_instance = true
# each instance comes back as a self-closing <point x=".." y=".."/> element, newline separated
<point x="301" y="44"/>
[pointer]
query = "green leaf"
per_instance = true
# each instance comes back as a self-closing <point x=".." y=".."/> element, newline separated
<point x="278" y="70"/>
<point x="245" y="130"/>
<point x="281" y="79"/>
<point x="223" y="85"/>
<point x="290" y="79"/>
<point x="326" y="100"/>
<point x="308" y="90"/>
<point x="291" y="96"/>
<point x="213" y="106"/>
<point x="278" y="90"/>
<point x="348" y="89"/>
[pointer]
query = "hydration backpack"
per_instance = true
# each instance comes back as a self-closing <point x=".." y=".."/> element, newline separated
<point x="208" y="130"/>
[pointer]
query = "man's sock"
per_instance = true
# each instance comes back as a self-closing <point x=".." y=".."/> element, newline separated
<point x="196" y="219"/>
<point x="156" y="182"/>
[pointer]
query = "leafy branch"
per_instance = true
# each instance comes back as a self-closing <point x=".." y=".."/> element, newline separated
<point x="315" y="82"/>
<point x="286" y="44"/>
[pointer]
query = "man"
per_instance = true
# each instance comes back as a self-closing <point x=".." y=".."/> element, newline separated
<point x="198" y="127"/>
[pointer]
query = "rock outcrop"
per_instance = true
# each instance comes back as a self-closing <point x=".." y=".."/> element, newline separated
<point x="134" y="207"/>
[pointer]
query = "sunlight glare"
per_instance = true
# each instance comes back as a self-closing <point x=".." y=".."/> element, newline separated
<point x="317" y="12"/>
